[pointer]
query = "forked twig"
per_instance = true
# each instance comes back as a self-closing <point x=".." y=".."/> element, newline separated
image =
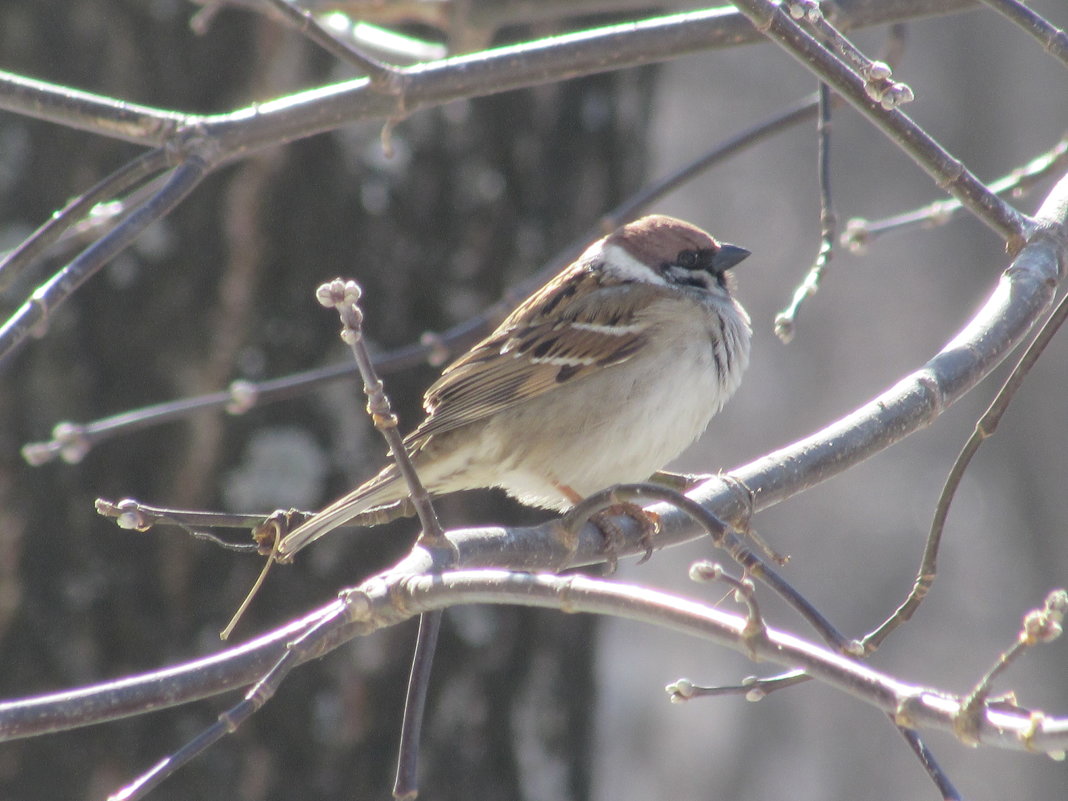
<point x="947" y="171"/>
<point x="135" y="516"/>
<point x="1040" y="627"/>
<point x="860" y="233"/>
<point x="33" y="247"/>
<point x="879" y="87"/>
<point x="33" y="316"/>
<point x="744" y="591"/>
<point x="384" y="77"/>
<point x="877" y="75"/>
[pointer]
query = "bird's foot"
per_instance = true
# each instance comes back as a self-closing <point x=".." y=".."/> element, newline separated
<point x="648" y="522"/>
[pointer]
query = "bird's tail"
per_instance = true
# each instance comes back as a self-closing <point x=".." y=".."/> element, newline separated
<point x="370" y="504"/>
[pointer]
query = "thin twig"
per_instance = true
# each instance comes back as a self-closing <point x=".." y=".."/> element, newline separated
<point x="984" y="428"/>
<point x="231" y="719"/>
<point x="1053" y="40"/>
<point x="72" y="441"/>
<point x="893" y="49"/>
<point x="345" y="296"/>
<point x="33" y="315"/>
<point x="786" y="320"/>
<point x="859" y="233"/>
<point x="137" y="516"/>
<point x="384" y="77"/>
<point x="228" y="629"/>
<point x="934" y="770"/>
<point x="752" y="688"/>
<point x="1040" y="627"/>
<point x="948" y="172"/>
<point x="34" y="246"/>
<point x="406" y="783"/>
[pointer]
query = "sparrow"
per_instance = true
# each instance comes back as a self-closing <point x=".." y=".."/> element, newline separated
<point x="602" y="376"/>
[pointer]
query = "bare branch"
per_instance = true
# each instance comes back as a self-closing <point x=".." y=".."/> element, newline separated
<point x="384" y="77"/>
<point x="941" y="780"/>
<point x="948" y="172"/>
<point x="1040" y="627"/>
<point x="503" y="69"/>
<point x="203" y="678"/>
<point x="240" y="133"/>
<point x="86" y="111"/>
<point x="921" y="707"/>
<point x="1053" y="40"/>
<point x="1021" y="296"/>
<point x="984" y="428"/>
<point x="392" y="598"/>
<point x="859" y="233"/>
<point x="48" y="234"/>
<point x="32" y="316"/>
<point x="786" y="320"/>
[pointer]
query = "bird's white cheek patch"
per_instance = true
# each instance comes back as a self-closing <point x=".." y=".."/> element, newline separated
<point x="627" y="268"/>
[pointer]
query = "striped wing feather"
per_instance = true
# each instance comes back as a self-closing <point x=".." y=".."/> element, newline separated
<point x="529" y="355"/>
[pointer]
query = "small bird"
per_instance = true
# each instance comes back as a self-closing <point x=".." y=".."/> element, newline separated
<point x="601" y="377"/>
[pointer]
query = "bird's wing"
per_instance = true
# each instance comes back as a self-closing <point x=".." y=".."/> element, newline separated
<point x="530" y="354"/>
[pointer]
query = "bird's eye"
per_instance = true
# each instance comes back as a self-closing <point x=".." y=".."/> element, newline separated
<point x="687" y="259"/>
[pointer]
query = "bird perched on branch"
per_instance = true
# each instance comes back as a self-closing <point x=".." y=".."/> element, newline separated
<point x="601" y="377"/>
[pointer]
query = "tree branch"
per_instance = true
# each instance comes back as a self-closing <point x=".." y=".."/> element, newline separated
<point x="1021" y="296"/>
<point x="948" y="172"/>
<point x="392" y="598"/>
<point x="434" y="83"/>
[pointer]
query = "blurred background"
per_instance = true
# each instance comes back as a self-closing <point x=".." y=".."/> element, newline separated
<point x="525" y="704"/>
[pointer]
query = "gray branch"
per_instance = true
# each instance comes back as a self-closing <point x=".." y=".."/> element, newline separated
<point x="1022" y="294"/>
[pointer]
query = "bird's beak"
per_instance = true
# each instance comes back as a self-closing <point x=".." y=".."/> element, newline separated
<point x="727" y="256"/>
